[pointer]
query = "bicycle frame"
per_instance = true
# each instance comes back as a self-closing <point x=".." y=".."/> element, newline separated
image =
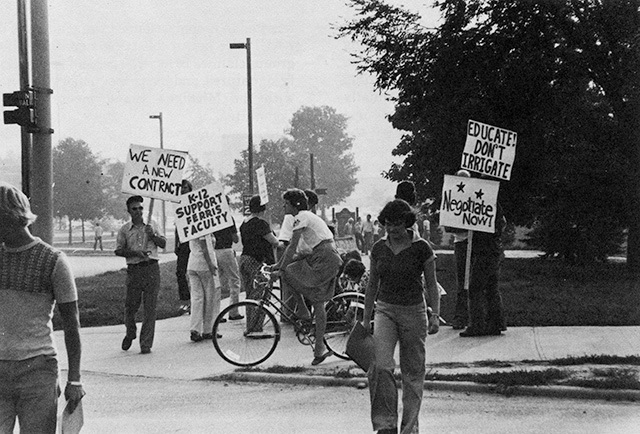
<point x="270" y="299"/>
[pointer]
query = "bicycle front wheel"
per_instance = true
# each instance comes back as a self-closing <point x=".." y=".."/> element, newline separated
<point x="246" y="341"/>
<point x="343" y="311"/>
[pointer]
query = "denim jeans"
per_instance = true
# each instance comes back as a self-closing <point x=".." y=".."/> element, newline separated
<point x="408" y="326"/>
<point x="229" y="274"/>
<point x="29" y="391"/>
<point x="143" y="284"/>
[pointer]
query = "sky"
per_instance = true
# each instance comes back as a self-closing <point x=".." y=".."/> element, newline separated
<point x="116" y="62"/>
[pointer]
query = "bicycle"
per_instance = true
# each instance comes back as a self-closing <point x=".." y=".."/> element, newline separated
<point x="253" y="339"/>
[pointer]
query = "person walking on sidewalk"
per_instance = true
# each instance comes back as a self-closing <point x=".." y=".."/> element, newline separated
<point x="313" y="275"/>
<point x="205" y="298"/>
<point x="398" y="263"/>
<point x="228" y="272"/>
<point x="182" y="253"/>
<point x="34" y="277"/>
<point x="138" y="243"/>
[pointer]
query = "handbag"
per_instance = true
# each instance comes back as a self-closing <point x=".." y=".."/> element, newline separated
<point x="360" y="346"/>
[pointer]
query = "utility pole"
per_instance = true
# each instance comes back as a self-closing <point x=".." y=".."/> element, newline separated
<point x="42" y="166"/>
<point x="247" y="46"/>
<point x="164" y="213"/>
<point x="23" y="59"/>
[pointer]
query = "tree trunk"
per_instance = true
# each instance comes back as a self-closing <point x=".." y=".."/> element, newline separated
<point x="83" y="237"/>
<point x="70" y="232"/>
<point x="633" y="237"/>
<point x="633" y="247"/>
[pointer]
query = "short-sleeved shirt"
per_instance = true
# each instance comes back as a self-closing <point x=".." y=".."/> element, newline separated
<point x="135" y="238"/>
<point x="252" y="232"/>
<point x="401" y="274"/>
<point x="314" y="229"/>
<point x="224" y="237"/>
<point x="286" y="233"/>
<point x="32" y="279"/>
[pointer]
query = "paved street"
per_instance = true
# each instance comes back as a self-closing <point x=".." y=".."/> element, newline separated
<point x="166" y="391"/>
<point x="117" y="404"/>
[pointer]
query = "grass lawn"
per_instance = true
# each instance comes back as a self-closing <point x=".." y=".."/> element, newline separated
<point x="101" y="298"/>
<point x="535" y="292"/>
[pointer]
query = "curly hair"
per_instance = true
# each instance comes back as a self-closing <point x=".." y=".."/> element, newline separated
<point x="397" y="210"/>
<point x="297" y="198"/>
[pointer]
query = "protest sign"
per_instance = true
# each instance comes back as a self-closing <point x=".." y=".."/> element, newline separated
<point x="202" y="212"/>
<point x="153" y="172"/>
<point x="489" y="150"/>
<point x="262" y="185"/>
<point x="469" y="203"/>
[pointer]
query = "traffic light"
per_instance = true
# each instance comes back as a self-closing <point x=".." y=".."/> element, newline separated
<point x="25" y="114"/>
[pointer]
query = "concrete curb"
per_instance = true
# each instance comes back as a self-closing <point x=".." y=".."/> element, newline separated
<point x="566" y="392"/>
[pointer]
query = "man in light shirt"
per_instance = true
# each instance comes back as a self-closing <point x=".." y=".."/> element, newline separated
<point x="138" y="243"/>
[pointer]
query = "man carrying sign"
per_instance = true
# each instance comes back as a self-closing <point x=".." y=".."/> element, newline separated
<point x="138" y="243"/>
<point x="471" y="203"/>
<point x="486" y="311"/>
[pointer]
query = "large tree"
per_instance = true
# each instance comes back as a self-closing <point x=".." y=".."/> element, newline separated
<point x="323" y="132"/>
<point x="283" y="170"/>
<point x="199" y="175"/>
<point x="314" y="130"/>
<point x="563" y="74"/>
<point x="77" y="189"/>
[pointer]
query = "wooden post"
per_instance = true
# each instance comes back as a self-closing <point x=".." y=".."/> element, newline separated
<point x="467" y="267"/>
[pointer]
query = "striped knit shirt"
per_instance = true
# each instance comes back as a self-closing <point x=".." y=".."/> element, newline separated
<point x="33" y="278"/>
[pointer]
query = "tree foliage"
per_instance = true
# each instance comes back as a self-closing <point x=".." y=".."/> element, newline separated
<point x="323" y="132"/>
<point x="77" y="189"/>
<point x="199" y="175"/>
<point x="314" y="130"/>
<point x="114" y="199"/>
<point x="563" y="74"/>
<point x="280" y="172"/>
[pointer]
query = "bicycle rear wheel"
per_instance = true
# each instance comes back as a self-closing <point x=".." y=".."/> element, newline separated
<point x="343" y="311"/>
<point x="248" y="341"/>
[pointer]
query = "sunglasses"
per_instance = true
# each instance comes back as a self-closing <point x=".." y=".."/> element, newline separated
<point x="136" y="208"/>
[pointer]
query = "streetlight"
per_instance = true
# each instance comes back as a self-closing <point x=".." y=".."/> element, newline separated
<point x="164" y="217"/>
<point x="247" y="46"/>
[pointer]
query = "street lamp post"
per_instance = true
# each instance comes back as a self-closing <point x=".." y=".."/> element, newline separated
<point x="164" y="216"/>
<point x="247" y="46"/>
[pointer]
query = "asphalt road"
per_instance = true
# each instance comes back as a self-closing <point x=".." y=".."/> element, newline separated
<point x="176" y="406"/>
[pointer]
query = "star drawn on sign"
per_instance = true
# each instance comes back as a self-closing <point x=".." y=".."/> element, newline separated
<point x="461" y="187"/>
<point x="479" y="194"/>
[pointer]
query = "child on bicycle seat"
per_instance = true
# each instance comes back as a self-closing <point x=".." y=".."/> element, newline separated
<point x="356" y="276"/>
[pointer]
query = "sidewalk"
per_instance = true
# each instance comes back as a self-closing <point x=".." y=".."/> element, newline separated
<point x="174" y="356"/>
